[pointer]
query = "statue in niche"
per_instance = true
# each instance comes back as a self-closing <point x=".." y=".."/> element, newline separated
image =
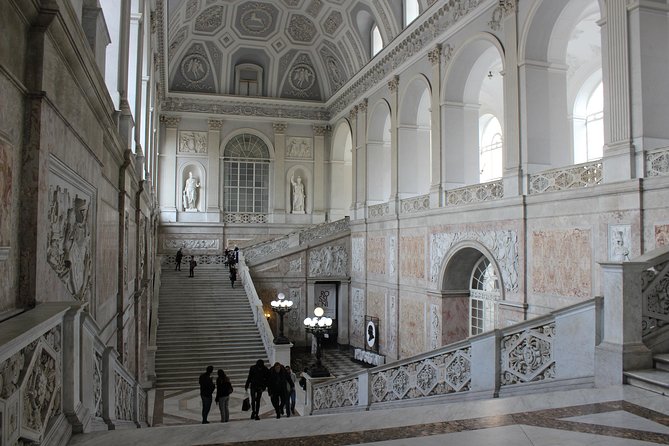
<point x="298" y="194"/>
<point x="621" y="253"/>
<point x="190" y="193"/>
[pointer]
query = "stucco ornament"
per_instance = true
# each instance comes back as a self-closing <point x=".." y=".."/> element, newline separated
<point x="328" y="261"/>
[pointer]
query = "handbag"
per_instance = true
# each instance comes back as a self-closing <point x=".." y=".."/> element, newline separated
<point x="246" y="404"/>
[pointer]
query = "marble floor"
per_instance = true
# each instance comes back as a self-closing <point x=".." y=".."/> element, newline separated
<point x="616" y="416"/>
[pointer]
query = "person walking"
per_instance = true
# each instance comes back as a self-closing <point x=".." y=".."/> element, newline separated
<point x="291" y="394"/>
<point x="223" y="391"/>
<point x="192" y="264"/>
<point x="279" y="387"/>
<point x="233" y="275"/>
<point x="257" y="380"/>
<point x="178" y="258"/>
<point x="206" y="392"/>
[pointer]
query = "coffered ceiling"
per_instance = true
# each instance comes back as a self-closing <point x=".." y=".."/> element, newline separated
<point x="307" y="49"/>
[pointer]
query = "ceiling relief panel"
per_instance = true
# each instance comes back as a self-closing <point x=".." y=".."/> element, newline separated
<point x="333" y="22"/>
<point x="195" y="72"/>
<point x="292" y="3"/>
<point x="256" y="20"/>
<point x="191" y="9"/>
<point x="301" y="82"/>
<point x="301" y="29"/>
<point x="314" y="8"/>
<point x="334" y="68"/>
<point x="210" y="21"/>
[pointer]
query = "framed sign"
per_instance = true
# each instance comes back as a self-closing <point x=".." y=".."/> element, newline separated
<point x="326" y="298"/>
<point x="372" y="334"/>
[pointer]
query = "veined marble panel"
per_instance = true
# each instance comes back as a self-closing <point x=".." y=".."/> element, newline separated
<point x="6" y="179"/>
<point x="358" y="255"/>
<point x="412" y="326"/>
<point x="376" y="255"/>
<point x="357" y="316"/>
<point x="562" y="262"/>
<point x="391" y="326"/>
<point x="661" y="235"/>
<point x="376" y="303"/>
<point x="412" y="260"/>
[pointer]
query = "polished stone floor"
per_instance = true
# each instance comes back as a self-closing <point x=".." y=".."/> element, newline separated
<point x="617" y="416"/>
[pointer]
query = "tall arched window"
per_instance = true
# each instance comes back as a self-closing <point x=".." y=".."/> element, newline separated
<point x="377" y="41"/>
<point x="484" y="294"/>
<point x="490" y="148"/>
<point x="246" y="174"/>
<point x="411" y="11"/>
<point x="589" y="124"/>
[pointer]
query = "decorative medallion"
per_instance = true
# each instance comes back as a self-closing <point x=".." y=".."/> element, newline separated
<point x="302" y="77"/>
<point x="194" y="68"/>
<point x="257" y="19"/>
<point x="301" y="29"/>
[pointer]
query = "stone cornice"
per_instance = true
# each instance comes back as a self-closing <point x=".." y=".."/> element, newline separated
<point x="215" y="124"/>
<point x="170" y="121"/>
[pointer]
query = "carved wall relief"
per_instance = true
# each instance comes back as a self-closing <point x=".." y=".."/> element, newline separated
<point x="193" y="142"/>
<point x="297" y="147"/>
<point x="295" y="265"/>
<point x="190" y="244"/>
<point x="328" y="261"/>
<point x="69" y="250"/>
<point x="661" y="235"/>
<point x="620" y="240"/>
<point x="357" y="315"/>
<point x="392" y="247"/>
<point x="376" y="255"/>
<point x="412" y="261"/>
<point x="435" y="327"/>
<point x="358" y="255"/>
<point x="295" y="316"/>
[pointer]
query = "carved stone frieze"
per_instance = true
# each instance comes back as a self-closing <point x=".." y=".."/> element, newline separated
<point x="299" y="147"/>
<point x="321" y="130"/>
<point x="190" y="244"/>
<point x="192" y="142"/>
<point x="324" y="230"/>
<point x="503" y="245"/>
<point x="362" y="106"/>
<point x="69" y="245"/>
<point x="264" y="250"/>
<point x="328" y="261"/>
<point x="353" y="113"/>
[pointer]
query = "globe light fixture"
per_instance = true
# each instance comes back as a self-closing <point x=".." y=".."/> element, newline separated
<point x="319" y="326"/>
<point x="281" y="306"/>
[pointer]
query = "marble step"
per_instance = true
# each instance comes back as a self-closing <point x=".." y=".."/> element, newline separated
<point x="661" y="362"/>
<point x="651" y="379"/>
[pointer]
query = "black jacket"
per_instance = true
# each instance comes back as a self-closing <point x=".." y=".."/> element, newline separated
<point x="279" y="382"/>
<point x="206" y="385"/>
<point x="257" y="377"/>
<point x="223" y="388"/>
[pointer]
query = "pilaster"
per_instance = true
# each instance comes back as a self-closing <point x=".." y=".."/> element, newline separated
<point x="361" y="151"/>
<point x="436" y="194"/>
<point x="279" y="169"/>
<point x="213" y="176"/>
<point x="167" y="166"/>
<point x="320" y="131"/>
<point x="393" y="88"/>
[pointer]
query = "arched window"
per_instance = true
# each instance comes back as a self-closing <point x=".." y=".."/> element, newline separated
<point x="411" y="11"/>
<point x="249" y="79"/>
<point x="484" y="294"/>
<point x="246" y="174"/>
<point x="490" y="148"/>
<point x="589" y="124"/>
<point x="377" y="41"/>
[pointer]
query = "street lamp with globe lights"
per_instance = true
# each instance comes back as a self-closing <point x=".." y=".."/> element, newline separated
<point x="281" y="306"/>
<point x="319" y="326"/>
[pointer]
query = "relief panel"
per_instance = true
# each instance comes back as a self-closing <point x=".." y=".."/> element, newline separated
<point x="376" y="255"/>
<point x="412" y="260"/>
<point x="412" y="327"/>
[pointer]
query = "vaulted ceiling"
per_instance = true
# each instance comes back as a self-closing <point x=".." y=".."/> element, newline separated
<point x="307" y="49"/>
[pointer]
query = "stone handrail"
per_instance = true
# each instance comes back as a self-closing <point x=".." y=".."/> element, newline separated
<point x="571" y="177"/>
<point x="657" y="162"/>
<point x="521" y="358"/>
<point x="415" y="204"/>
<point x="56" y="368"/>
<point x="475" y="193"/>
<point x="256" y="305"/>
<point x="378" y="210"/>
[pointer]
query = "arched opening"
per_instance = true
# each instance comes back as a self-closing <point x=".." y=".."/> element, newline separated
<point x="246" y="175"/>
<point x="377" y="41"/>
<point x="471" y="290"/>
<point x="415" y="140"/>
<point x="474" y="114"/>
<point x="378" y="155"/>
<point x="341" y="172"/>
<point x="562" y="45"/>
<point x="411" y="11"/>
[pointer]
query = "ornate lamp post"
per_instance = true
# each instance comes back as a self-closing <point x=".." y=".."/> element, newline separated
<point x="319" y="326"/>
<point x="281" y="306"/>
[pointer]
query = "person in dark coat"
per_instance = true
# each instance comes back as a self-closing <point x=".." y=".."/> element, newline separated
<point x="178" y="258"/>
<point x="223" y="391"/>
<point x="192" y="264"/>
<point x="233" y="275"/>
<point x="279" y="386"/>
<point x="206" y="391"/>
<point x="257" y="380"/>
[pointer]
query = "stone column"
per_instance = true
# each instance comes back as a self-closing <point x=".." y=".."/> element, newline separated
<point x="214" y="176"/>
<point x="279" y="209"/>
<point x="393" y="88"/>
<point x="167" y="168"/>
<point x="361" y="151"/>
<point x="436" y="193"/>
<point x="358" y="174"/>
<point x="512" y="173"/>
<point x="619" y="163"/>
<point x="318" y="190"/>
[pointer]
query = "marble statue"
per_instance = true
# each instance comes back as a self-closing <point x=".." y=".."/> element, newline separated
<point x="298" y="195"/>
<point x="190" y="193"/>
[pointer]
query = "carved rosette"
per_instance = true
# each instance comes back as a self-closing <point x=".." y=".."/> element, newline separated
<point x="528" y="356"/>
<point x="279" y="127"/>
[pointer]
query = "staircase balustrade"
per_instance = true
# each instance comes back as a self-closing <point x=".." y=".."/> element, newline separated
<point x="58" y="378"/>
<point x="551" y="351"/>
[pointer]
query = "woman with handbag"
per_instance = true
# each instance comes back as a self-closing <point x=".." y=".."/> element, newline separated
<point x="223" y="391"/>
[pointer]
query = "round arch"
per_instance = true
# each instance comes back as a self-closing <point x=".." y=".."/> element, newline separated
<point x="379" y="165"/>
<point x="250" y="131"/>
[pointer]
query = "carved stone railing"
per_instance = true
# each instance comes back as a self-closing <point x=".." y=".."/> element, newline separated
<point x="323" y="230"/>
<point x="256" y="305"/>
<point x="378" y="210"/>
<point x="522" y="358"/>
<point x="415" y="204"/>
<point x="475" y="193"/>
<point x="244" y="218"/>
<point x="294" y="239"/>
<point x="201" y="259"/>
<point x="655" y="296"/>
<point x="657" y="162"/>
<point x="57" y="377"/>
<point x="572" y="177"/>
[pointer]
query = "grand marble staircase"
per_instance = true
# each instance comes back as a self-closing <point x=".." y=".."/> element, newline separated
<point x="203" y="321"/>
<point x="655" y="379"/>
